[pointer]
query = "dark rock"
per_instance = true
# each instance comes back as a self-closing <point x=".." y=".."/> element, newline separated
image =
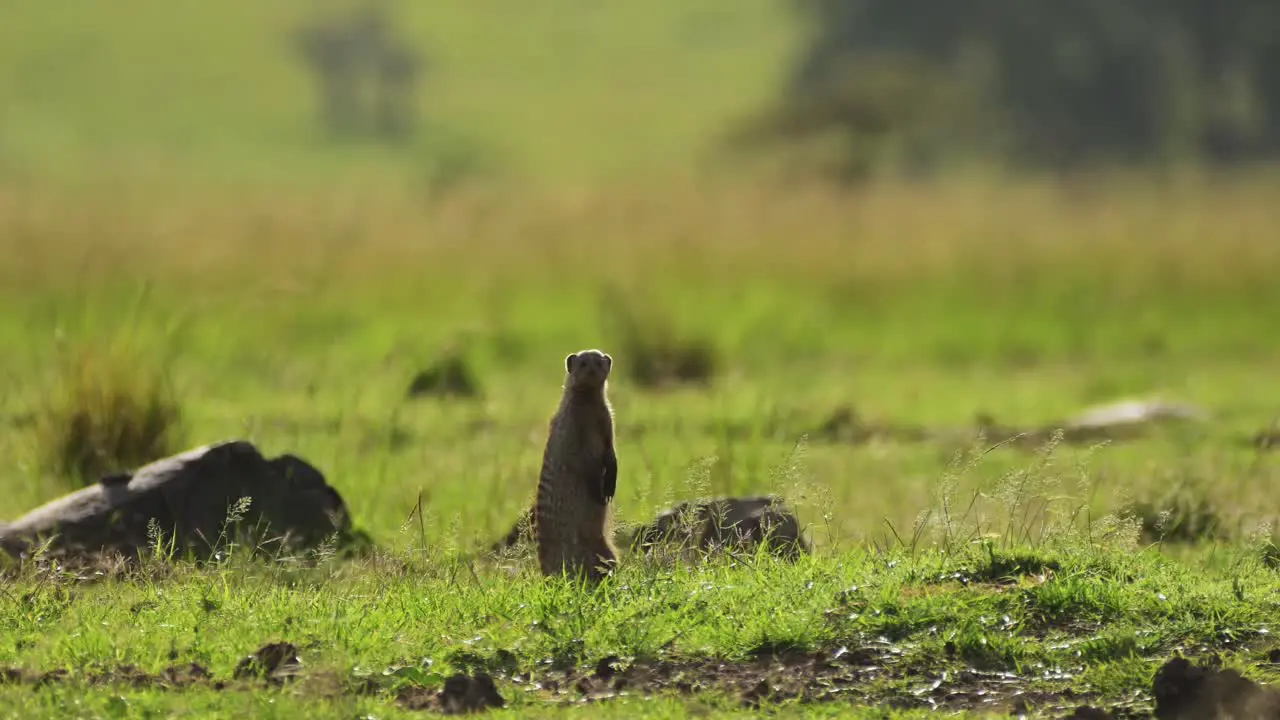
<point x="721" y="524"/>
<point x="450" y="376"/>
<point x="464" y="693"/>
<point x="183" y="675"/>
<point x="189" y="497"/>
<point x="275" y="661"/>
<point x="607" y="667"/>
<point x="732" y="524"/>
<point x="1187" y="692"/>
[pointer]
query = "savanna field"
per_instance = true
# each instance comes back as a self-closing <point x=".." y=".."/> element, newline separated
<point x="183" y="251"/>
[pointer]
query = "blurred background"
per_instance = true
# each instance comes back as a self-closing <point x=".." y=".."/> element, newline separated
<point x="368" y="233"/>
<point x="442" y="93"/>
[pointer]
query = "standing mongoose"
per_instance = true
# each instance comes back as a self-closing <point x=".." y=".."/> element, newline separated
<point x="579" y="475"/>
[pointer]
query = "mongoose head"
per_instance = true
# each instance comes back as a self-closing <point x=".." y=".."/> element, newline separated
<point x="587" y="369"/>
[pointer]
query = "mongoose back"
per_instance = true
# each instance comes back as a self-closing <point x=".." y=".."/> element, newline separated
<point x="579" y="475"/>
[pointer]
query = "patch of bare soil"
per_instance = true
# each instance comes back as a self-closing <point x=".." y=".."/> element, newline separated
<point x="870" y="675"/>
<point x="873" y="675"/>
<point x="461" y="694"/>
<point x="174" y="677"/>
<point x="274" y="663"/>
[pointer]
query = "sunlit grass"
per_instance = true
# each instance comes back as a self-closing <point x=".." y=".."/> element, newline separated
<point x="298" y="319"/>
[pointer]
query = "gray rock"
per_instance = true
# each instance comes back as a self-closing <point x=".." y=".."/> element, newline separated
<point x="1130" y="415"/>
<point x="725" y="524"/>
<point x="734" y="524"/>
<point x="189" y="496"/>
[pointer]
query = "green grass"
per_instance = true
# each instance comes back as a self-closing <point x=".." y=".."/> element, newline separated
<point x="1081" y="615"/>
<point x="306" y="344"/>
<point x="516" y="82"/>
<point x="165" y="195"/>
<point x="269" y="326"/>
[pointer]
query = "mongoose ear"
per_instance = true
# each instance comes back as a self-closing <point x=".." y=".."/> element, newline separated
<point x="608" y="361"/>
<point x="568" y="362"/>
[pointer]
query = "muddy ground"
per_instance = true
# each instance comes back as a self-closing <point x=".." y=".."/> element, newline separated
<point x="872" y="675"/>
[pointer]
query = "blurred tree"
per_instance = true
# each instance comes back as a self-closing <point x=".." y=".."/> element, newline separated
<point x="1070" y="81"/>
<point x="367" y="80"/>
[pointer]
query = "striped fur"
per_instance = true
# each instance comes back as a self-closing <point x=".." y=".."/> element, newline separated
<point x="579" y="475"/>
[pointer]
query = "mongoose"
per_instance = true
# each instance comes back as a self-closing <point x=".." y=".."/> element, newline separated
<point x="579" y="475"/>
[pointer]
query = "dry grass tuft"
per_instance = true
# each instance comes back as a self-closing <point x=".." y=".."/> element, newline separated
<point x="1211" y="233"/>
<point x="107" y="413"/>
<point x="450" y="375"/>
<point x="657" y="354"/>
<point x="1184" y="512"/>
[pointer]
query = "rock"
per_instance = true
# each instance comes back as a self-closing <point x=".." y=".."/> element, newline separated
<point x="1123" y="420"/>
<point x="189" y="496"/>
<point x="450" y="376"/>
<point x="274" y="662"/>
<point x="463" y="694"/>
<point x="1185" y="692"/>
<point x="734" y="524"/>
<point x="1127" y="418"/>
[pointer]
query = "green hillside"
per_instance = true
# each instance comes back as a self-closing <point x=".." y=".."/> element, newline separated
<point x="219" y="90"/>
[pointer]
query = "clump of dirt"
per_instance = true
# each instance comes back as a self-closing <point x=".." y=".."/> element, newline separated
<point x="869" y="675"/>
<point x="275" y="662"/>
<point x="184" y="675"/>
<point x="450" y="375"/>
<point x="461" y="694"/>
<point x="658" y="355"/>
<point x="845" y="675"/>
<point x="171" y="678"/>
